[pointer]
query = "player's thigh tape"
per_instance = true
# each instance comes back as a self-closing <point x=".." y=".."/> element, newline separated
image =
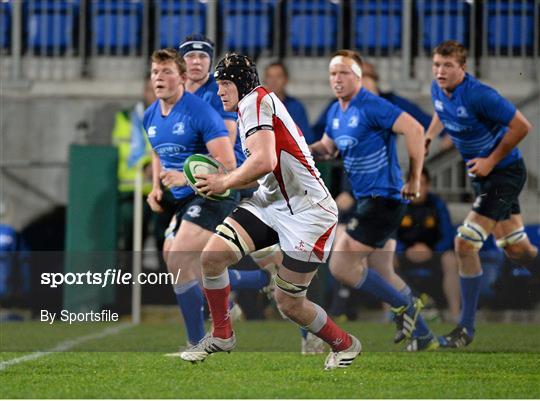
<point x="170" y="232"/>
<point x="264" y="253"/>
<point x="473" y="233"/>
<point x="232" y="238"/>
<point x="294" y="290"/>
<point x="512" y="238"/>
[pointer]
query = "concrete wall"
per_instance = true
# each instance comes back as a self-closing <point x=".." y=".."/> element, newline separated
<point x="39" y="128"/>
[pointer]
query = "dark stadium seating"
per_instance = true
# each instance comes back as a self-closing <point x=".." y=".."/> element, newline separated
<point x="50" y="24"/>
<point x="313" y="26"/>
<point x="517" y="20"/>
<point x="444" y="20"/>
<point x="5" y="25"/>
<point x="178" y="20"/>
<point x="378" y="24"/>
<point x="255" y="20"/>
<point x="116" y="25"/>
<point x="493" y="261"/>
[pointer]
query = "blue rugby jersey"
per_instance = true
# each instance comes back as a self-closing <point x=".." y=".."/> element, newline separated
<point x="208" y="92"/>
<point x="191" y="124"/>
<point x="363" y="134"/>
<point x="476" y="117"/>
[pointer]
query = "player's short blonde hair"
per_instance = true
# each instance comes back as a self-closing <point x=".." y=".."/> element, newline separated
<point x="169" y="54"/>
<point x="451" y="48"/>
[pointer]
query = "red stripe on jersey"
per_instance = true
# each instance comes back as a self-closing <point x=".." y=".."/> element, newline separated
<point x="285" y="141"/>
<point x="261" y="92"/>
<point x="279" y="178"/>
<point x="318" y="249"/>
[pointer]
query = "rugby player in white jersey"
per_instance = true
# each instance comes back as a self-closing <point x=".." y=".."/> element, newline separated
<point x="292" y="207"/>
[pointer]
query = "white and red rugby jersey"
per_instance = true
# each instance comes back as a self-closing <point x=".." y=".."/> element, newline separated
<point x="295" y="183"/>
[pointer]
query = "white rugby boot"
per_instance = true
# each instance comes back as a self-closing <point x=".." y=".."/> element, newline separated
<point x="208" y="345"/>
<point x="343" y="359"/>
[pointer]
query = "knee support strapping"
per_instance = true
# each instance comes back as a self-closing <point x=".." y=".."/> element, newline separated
<point x="232" y="238"/>
<point x="294" y="290"/>
<point x="473" y="233"/>
<point x="512" y="238"/>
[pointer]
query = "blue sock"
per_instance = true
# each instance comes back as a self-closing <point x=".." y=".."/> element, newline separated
<point x="407" y="292"/>
<point x="470" y="292"/>
<point x="248" y="279"/>
<point x="303" y="332"/>
<point x="375" y="285"/>
<point x="190" y="299"/>
<point x="421" y="329"/>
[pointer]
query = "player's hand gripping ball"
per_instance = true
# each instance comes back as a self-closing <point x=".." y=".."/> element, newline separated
<point x="202" y="164"/>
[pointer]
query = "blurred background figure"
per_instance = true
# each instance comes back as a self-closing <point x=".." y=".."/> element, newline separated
<point x="14" y="269"/>
<point x="425" y="256"/>
<point x="276" y="78"/>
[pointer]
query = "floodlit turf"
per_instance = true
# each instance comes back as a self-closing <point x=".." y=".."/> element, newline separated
<point x="502" y="362"/>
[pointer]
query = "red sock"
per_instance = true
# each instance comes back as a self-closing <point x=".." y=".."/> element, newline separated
<point x="332" y="334"/>
<point x="218" y="302"/>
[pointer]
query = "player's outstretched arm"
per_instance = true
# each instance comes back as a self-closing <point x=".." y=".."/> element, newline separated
<point x="221" y="149"/>
<point x="414" y="141"/>
<point x="518" y="129"/>
<point x="324" y="149"/>
<point x="434" y="129"/>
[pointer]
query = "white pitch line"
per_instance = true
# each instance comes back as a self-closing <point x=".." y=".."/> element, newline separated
<point x="65" y="345"/>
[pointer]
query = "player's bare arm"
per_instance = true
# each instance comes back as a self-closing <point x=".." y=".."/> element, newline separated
<point x="518" y="128"/>
<point x="155" y="196"/>
<point x="221" y="149"/>
<point x="262" y="160"/>
<point x="324" y="149"/>
<point x="434" y="129"/>
<point x="414" y="141"/>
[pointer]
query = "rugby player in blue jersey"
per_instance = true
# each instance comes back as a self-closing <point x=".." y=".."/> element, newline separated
<point x="198" y="51"/>
<point x="486" y="129"/>
<point x="179" y="124"/>
<point x="362" y="127"/>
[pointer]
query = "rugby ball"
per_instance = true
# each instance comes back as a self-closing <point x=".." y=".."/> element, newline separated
<point x="202" y="164"/>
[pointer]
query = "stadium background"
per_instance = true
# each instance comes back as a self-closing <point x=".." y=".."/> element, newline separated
<point x="66" y="67"/>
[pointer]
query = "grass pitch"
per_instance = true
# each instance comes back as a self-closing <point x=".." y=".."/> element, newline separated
<point x="502" y="362"/>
